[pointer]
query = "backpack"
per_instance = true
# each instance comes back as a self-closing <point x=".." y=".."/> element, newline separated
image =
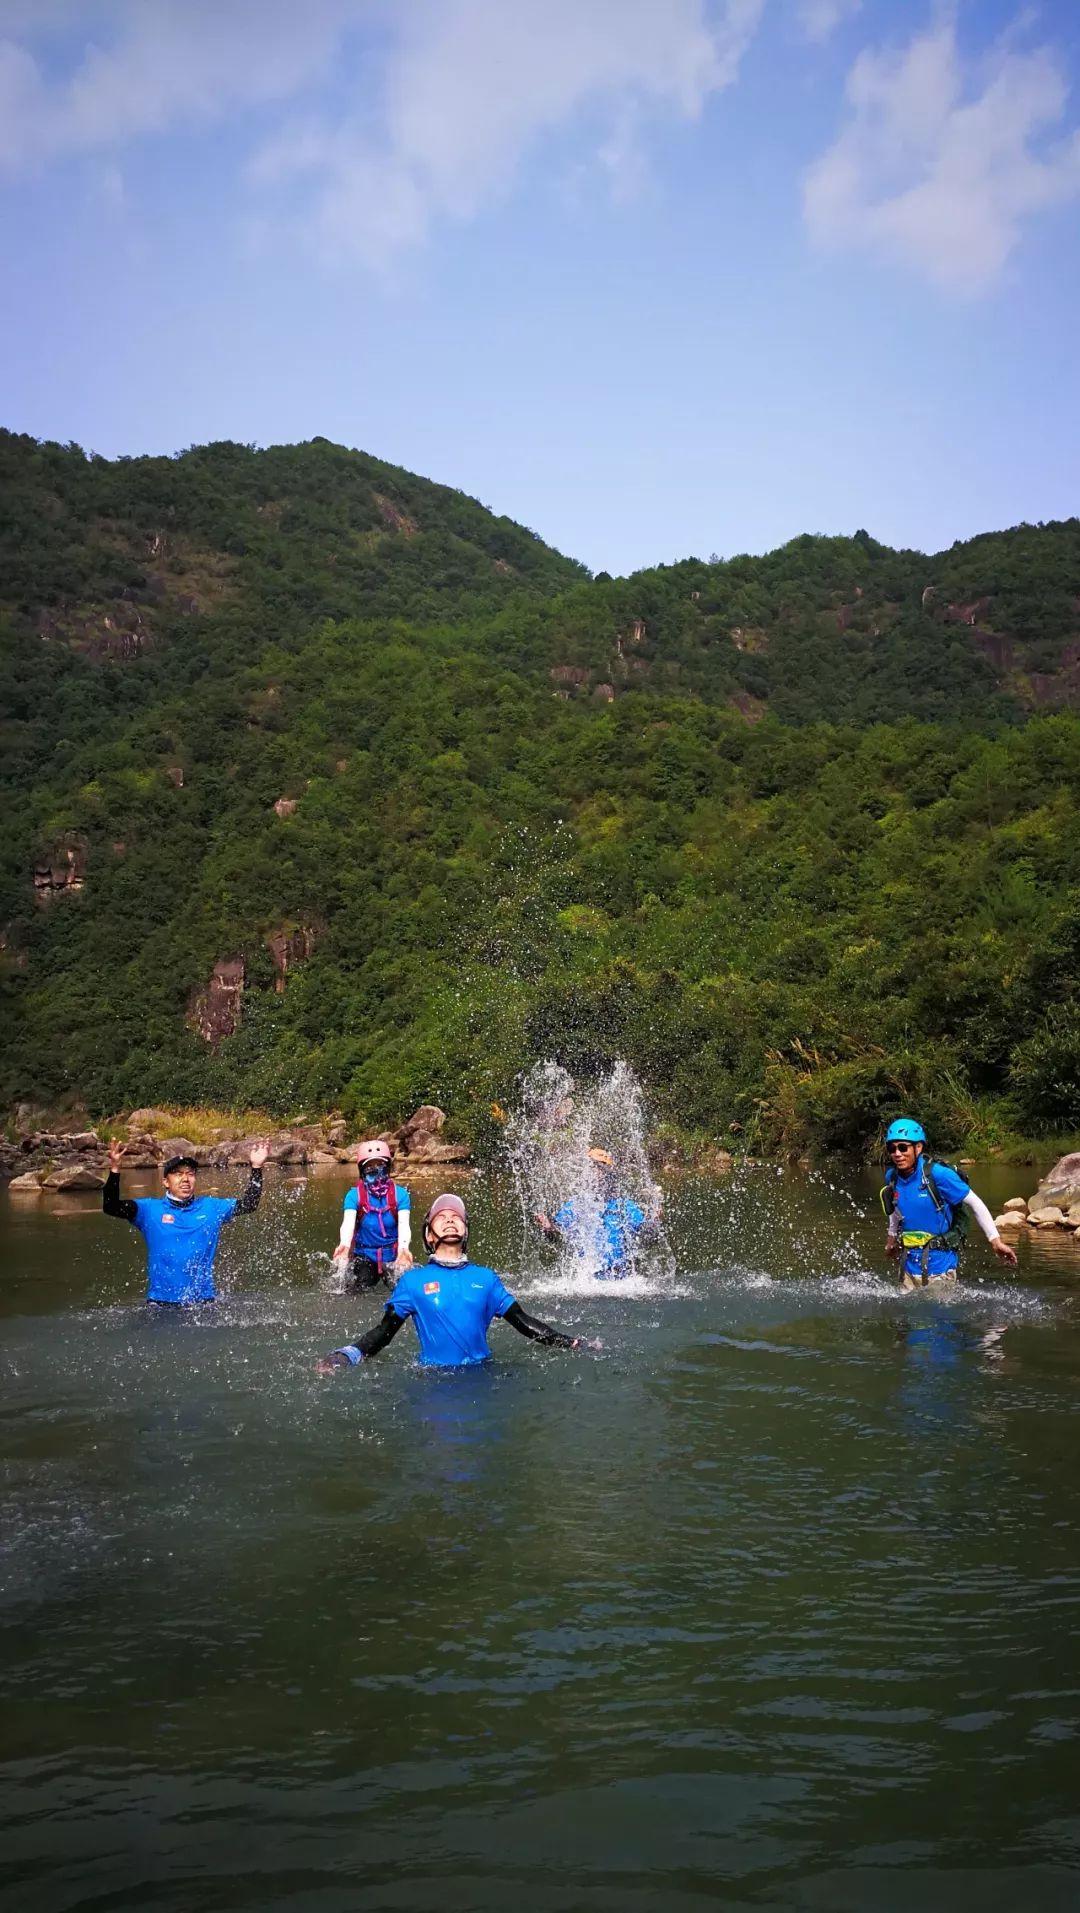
<point x="365" y="1207"/>
<point x="953" y="1215"/>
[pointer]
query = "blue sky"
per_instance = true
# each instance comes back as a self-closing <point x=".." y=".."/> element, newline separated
<point x="655" y="277"/>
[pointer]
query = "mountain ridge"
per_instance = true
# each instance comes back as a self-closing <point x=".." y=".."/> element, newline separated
<point x="419" y="800"/>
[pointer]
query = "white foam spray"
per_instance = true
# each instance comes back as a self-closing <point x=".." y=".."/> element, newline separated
<point x="548" y="1137"/>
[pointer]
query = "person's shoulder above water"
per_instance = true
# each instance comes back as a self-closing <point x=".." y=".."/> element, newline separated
<point x="498" y="1295"/>
<point x="950" y="1183"/>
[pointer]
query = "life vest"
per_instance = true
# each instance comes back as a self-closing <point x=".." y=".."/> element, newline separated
<point x="383" y="1212"/>
<point x="953" y="1218"/>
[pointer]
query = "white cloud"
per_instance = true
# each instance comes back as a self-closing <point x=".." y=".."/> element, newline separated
<point x="462" y="90"/>
<point x="153" y="65"/>
<point x="473" y="84"/>
<point x="820" y="18"/>
<point x="939" y="168"/>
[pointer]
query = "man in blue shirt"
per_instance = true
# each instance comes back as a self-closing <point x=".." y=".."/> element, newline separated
<point x="375" y="1221"/>
<point x="451" y="1301"/>
<point x="180" y="1229"/>
<point x="606" y="1232"/>
<point x="923" y="1201"/>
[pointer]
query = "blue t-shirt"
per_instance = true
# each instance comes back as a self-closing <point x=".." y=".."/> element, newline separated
<point x="376" y="1231"/>
<point x="453" y="1308"/>
<point x="181" y="1242"/>
<point x="918" y="1211"/>
<point x="617" y="1225"/>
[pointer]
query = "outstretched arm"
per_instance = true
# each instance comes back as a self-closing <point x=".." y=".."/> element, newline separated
<point x="359" y="1351"/>
<point x="986" y="1223"/>
<point x="112" y="1203"/>
<point x="537" y="1331"/>
<point x="252" y="1195"/>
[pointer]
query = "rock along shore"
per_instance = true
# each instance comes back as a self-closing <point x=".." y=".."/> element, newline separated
<point x="76" y="1160"/>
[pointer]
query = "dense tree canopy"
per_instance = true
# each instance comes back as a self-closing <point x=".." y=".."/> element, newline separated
<point x="796" y="834"/>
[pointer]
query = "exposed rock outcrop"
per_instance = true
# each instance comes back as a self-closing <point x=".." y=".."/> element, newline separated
<point x="394" y="518"/>
<point x="748" y="706"/>
<point x="215" y="1012"/>
<point x="288" y="949"/>
<point x="970" y="613"/>
<point x="286" y="806"/>
<point x="62" y="872"/>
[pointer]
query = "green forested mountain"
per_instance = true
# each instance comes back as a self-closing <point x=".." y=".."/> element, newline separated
<point x="326" y="787"/>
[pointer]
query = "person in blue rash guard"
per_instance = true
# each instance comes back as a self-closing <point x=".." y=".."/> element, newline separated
<point x="451" y="1301"/>
<point x="923" y="1201"/>
<point x="180" y="1229"/>
<point x="375" y="1222"/>
<point x="618" y="1223"/>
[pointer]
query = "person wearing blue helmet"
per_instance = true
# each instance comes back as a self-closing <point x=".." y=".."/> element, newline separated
<point x="924" y="1203"/>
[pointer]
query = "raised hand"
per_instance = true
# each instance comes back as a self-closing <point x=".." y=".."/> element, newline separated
<point x="258" y="1155"/>
<point x="116" y="1155"/>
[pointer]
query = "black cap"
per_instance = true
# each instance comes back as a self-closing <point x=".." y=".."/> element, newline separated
<point x="178" y="1162"/>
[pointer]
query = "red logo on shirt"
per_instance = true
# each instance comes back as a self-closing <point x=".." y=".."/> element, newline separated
<point x="431" y="1288"/>
<point x="166" y="1218"/>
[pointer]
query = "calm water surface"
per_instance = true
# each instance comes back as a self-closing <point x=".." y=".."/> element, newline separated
<point x="773" y="1603"/>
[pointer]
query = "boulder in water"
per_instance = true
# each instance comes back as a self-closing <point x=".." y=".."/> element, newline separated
<point x="73" y="1176"/>
<point x="26" y="1185"/>
<point x="1009" y="1221"/>
<point x="1019" y="1204"/>
<point x="1061" y="1185"/>
<point x="1047" y="1217"/>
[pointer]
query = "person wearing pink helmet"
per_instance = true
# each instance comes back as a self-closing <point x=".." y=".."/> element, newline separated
<point x="452" y="1302"/>
<point x="374" y="1242"/>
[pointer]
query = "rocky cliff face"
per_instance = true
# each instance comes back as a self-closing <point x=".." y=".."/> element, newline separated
<point x="61" y="872"/>
<point x="215" y="1012"/>
<point x="290" y="948"/>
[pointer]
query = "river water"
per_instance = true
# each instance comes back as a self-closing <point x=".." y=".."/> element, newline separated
<point x="773" y="1602"/>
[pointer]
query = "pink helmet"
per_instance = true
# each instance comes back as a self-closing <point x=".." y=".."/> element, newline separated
<point x="456" y="1207"/>
<point x="375" y="1151"/>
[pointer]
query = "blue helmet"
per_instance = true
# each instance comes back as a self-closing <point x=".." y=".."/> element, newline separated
<point x="904" y="1130"/>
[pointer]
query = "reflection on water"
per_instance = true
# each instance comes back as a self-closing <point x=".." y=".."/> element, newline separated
<point x="773" y="1603"/>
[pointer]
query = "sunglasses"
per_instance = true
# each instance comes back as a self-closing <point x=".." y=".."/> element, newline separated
<point x="899" y="1148"/>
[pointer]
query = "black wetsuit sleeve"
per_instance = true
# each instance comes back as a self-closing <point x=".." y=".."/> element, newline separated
<point x="112" y="1202"/>
<point x="535" y="1331"/>
<point x="252" y="1195"/>
<point x="376" y="1338"/>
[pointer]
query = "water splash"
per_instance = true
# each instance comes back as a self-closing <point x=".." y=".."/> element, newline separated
<point x="548" y="1138"/>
